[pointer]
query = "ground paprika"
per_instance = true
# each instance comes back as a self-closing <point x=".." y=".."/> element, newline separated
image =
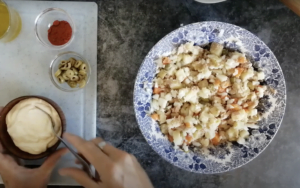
<point x="59" y="33"/>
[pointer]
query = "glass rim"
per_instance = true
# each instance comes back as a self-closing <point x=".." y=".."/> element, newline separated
<point x="10" y="17"/>
<point x="52" y="67"/>
<point x="38" y="36"/>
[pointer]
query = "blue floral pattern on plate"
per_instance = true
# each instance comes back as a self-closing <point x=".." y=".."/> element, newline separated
<point x="227" y="156"/>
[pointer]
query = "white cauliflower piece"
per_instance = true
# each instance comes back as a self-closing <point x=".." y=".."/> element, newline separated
<point x="154" y="105"/>
<point x="178" y="140"/>
<point x="192" y="121"/>
<point x="175" y="84"/>
<point x="196" y="108"/>
<point x="187" y="59"/>
<point x="204" y="73"/>
<point x="222" y="78"/>
<point x="239" y="115"/>
<point x="180" y="75"/>
<point x="230" y="64"/>
<point x="204" y="93"/>
<point x="260" y="75"/>
<point x="204" y="142"/>
<point x="216" y="48"/>
<point x="247" y="74"/>
<point x="182" y="92"/>
<point x="168" y="97"/>
<point x="173" y="123"/>
<point x="162" y="103"/>
<point x="192" y="95"/>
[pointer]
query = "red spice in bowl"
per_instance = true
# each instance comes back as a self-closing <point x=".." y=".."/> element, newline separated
<point x="59" y="33"/>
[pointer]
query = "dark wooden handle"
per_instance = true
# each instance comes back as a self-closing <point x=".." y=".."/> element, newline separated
<point x="294" y="5"/>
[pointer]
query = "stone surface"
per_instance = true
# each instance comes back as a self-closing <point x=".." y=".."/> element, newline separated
<point x="127" y="30"/>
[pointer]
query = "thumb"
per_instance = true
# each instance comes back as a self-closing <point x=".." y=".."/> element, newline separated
<point x="51" y="161"/>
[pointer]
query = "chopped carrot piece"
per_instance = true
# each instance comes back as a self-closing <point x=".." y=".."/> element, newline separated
<point x="187" y="125"/>
<point x="166" y="60"/>
<point x="215" y="141"/>
<point x="188" y="138"/>
<point x="170" y="138"/>
<point x="240" y="71"/>
<point x="217" y="82"/>
<point x="242" y="59"/>
<point x="157" y="90"/>
<point x="155" y="117"/>
<point x="235" y="107"/>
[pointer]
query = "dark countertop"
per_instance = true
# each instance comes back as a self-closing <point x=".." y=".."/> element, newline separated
<point x="129" y="29"/>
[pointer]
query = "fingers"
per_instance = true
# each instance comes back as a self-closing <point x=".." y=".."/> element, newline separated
<point x="1" y="107"/>
<point x="89" y="150"/>
<point x="108" y="149"/>
<point x="80" y="176"/>
<point x="51" y="161"/>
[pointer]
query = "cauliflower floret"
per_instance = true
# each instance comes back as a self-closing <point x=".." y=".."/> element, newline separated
<point x="216" y="48"/>
<point x="178" y="139"/>
<point x="154" y="105"/>
<point x="168" y="97"/>
<point x="187" y="59"/>
<point x="239" y="125"/>
<point x="162" y="116"/>
<point x="222" y="78"/>
<point x="239" y="115"/>
<point x="204" y="93"/>
<point x="185" y="109"/>
<point x="230" y="64"/>
<point x="204" y="73"/>
<point x="182" y="92"/>
<point x="252" y="112"/>
<point x="204" y="115"/>
<point x="204" y="142"/>
<point x="162" y="103"/>
<point x="196" y="108"/>
<point x="247" y="74"/>
<point x="260" y="75"/>
<point x="192" y="121"/>
<point x="232" y="134"/>
<point x="174" y="93"/>
<point x="173" y="123"/>
<point x="213" y="123"/>
<point x="210" y="134"/>
<point x="191" y="95"/>
<point x="180" y="75"/>
<point x="175" y="84"/>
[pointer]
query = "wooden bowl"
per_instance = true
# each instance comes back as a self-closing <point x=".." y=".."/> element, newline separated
<point x="8" y="143"/>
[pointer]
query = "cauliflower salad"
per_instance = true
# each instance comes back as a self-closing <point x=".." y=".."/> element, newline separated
<point x="204" y="97"/>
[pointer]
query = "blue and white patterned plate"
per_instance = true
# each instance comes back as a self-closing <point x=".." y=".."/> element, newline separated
<point x="226" y="156"/>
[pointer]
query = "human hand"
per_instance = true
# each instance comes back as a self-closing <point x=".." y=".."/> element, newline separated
<point x="116" y="168"/>
<point x="14" y="175"/>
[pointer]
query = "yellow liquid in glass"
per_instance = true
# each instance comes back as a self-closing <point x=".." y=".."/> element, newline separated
<point x="4" y="19"/>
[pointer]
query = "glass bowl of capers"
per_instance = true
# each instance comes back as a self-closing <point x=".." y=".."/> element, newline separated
<point x="69" y="71"/>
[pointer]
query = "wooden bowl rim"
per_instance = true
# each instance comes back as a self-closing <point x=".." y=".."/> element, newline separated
<point x="6" y="140"/>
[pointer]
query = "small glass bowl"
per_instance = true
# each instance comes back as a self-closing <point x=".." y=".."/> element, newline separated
<point x="54" y="67"/>
<point x="45" y="20"/>
<point x="15" y="24"/>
